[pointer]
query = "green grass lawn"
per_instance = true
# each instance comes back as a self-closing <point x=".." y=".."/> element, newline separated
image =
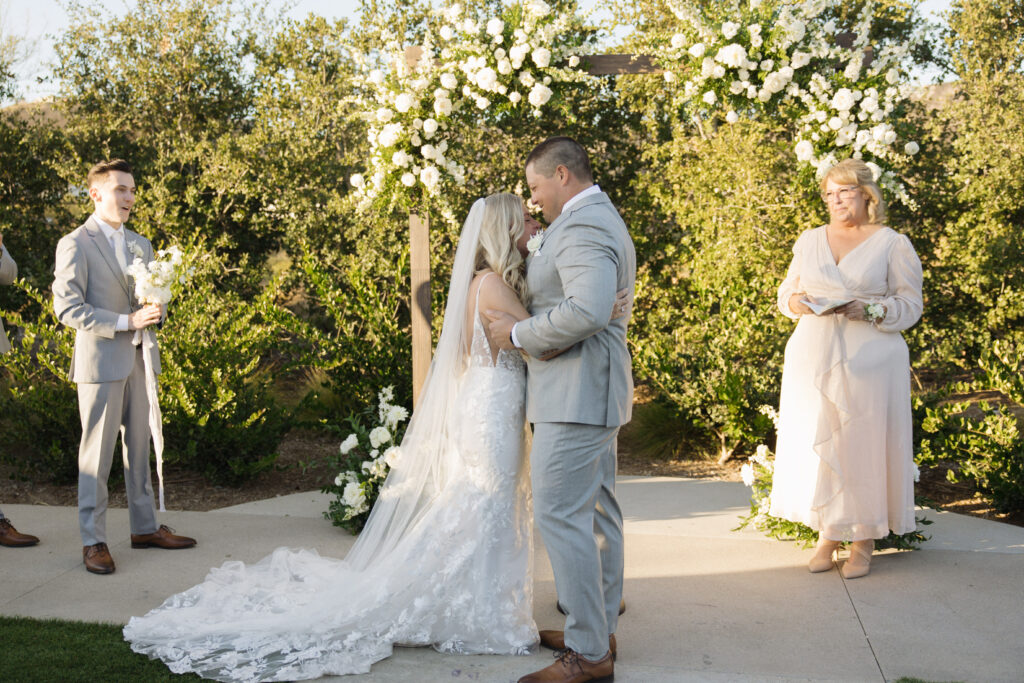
<point x="53" y="650"/>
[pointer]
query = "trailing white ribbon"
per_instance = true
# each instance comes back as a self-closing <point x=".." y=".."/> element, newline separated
<point x="156" y="422"/>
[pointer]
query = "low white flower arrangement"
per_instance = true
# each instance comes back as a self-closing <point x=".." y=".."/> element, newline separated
<point x="363" y="462"/>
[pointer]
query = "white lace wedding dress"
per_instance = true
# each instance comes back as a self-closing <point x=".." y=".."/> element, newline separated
<point x="456" y="577"/>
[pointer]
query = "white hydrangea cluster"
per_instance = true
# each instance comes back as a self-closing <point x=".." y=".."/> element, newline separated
<point x="470" y="67"/>
<point x="775" y="56"/>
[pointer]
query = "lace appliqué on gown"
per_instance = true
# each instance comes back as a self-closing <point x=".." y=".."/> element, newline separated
<point x="460" y="581"/>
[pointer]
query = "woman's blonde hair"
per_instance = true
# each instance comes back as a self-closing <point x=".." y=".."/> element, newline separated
<point x="856" y="172"/>
<point x="501" y="228"/>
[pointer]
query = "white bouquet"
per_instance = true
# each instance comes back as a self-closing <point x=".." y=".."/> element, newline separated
<point x="154" y="281"/>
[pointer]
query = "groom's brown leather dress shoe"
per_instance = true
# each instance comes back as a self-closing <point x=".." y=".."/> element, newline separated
<point x="556" y="641"/>
<point x="162" y="538"/>
<point x="569" y="667"/>
<point x="97" y="559"/>
<point x="12" y="538"/>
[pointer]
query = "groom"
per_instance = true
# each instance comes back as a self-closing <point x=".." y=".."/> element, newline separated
<point x="93" y="295"/>
<point x="577" y="401"/>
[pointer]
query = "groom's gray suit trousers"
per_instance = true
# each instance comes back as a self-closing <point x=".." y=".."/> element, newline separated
<point x="573" y="471"/>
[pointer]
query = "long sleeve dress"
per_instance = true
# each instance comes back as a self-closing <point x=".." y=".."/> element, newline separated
<point x="844" y="455"/>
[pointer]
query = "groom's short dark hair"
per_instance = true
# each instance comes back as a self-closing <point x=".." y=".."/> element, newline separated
<point x="561" y="151"/>
<point x="103" y="168"/>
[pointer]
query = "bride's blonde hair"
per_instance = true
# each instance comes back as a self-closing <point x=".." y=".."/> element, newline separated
<point x="501" y="228"/>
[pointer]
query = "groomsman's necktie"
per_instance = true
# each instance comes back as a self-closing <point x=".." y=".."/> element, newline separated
<point x="119" y="249"/>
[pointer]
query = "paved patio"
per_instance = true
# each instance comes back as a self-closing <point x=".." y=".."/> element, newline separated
<point x="705" y="603"/>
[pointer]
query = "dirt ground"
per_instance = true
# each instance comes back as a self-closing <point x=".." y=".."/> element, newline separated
<point x="301" y="467"/>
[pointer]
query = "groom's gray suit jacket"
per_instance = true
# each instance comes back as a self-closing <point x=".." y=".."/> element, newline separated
<point x="585" y="257"/>
<point x="89" y="293"/>
<point x="8" y="274"/>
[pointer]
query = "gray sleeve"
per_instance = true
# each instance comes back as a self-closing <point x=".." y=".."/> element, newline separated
<point x="8" y="268"/>
<point x="70" y="277"/>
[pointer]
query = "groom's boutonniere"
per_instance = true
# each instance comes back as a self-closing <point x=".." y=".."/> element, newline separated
<point x="533" y="244"/>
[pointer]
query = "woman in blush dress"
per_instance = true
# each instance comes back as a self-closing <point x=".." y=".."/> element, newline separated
<point x="844" y="456"/>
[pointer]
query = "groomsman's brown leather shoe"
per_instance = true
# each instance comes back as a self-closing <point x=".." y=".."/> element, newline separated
<point x="556" y="641"/>
<point x="570" y="667"/>
<point x="12" y="538"/>
<point x="162" y="538"/>
<point x="97" y="559"/>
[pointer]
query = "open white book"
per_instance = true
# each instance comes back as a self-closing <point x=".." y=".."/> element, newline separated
<point x="824" y="305"/>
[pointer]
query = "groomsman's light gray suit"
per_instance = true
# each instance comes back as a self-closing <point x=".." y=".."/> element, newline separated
<point x="577" y="402"/>
<point x="90" y="292"/>
<point x="8" y="274"/>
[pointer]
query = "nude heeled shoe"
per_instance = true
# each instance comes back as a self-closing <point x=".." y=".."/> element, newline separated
<point x="822" y="560"/>
<point x="858" y="550"/>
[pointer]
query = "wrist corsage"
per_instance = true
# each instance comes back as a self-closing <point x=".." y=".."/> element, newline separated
<point x="874" y="313"/>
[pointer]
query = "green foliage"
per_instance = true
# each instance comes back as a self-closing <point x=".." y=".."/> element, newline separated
<point x="706" y="330"/>
<point x="981" y="440"/>
<point x="38" y="403"/>
<point x="219" y="353"/>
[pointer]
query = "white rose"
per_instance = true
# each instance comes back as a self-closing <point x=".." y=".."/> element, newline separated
<point x="756" y="41"/>
<point x="495" y="27"/>
<point x="747" y="474"/>
<point x="429" y="127"/>
<point x="830" y="26"/>
<point x="539" y="95"/>
<point x="357" y="180"/>
<point x="697" y="50"/>
<point x="447" y="33"/>
<point x="852" y="70"/>
<point x="400" y="158"/>
<point x="539" y="8"/>
<point x="514" y="98"/>
<point x="707" y="67"/>
<point x="518" y="53"/>
<point x="353" y="495"/>
<point x="389" y="135"/>
<point x="376" y="77"/>
<point x="843" y="100"/>
<point x="378" y="436"/>
<point x="428" y="151"/>
<point x="442" y="106"/>
<point x="733" y="55"/>
<point x="801" y="59"/>
<point x="486" y="78"/>
<point x="732" y="117"/>
<point x="766" y="65"/>
<point x="408" y="179"/>
<point x="730" y="29"/>
<point x="430" y="177"/>
<point x="911" y="148"/>
<point x="541" y="57"/>
<point x="574" y="61"/>
<point x="863" y="138"/>
<point x="796" y="31"/>
<point x="670" y="77"/>
<point x="504" y="67"/>
<point x="416" y="140"/>
<point x="718" y="71"/>
<point x="736" y="87"/>
<point x="892" y="75"/>
<point x="678" y="40"/>
<point x="804" y="150"/>
<point x="835" y="123"/>
<point x="527" y="79"/>
<point x="709" y="97"/>
<point x="482" y="103"/>
<point x="384" y="115"/>
<point x="392" y="456"/>
<point x="449" y="81"/>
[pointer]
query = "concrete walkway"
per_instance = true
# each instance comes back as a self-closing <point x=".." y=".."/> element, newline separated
<point x="705" y="603"/>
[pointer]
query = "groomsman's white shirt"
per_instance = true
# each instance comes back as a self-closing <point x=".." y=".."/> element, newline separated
<point x="120" y="246"/>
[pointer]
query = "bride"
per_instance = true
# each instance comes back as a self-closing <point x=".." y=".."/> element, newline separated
<point x="445" y="558"/>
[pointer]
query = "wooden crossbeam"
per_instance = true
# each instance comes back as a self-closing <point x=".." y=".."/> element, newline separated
<point x="611" y="65"/>
<point x="419" y="273"/>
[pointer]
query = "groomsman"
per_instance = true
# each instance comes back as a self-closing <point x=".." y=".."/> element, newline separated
<point x="93" y="295"/>
<point x="9" y="536"/>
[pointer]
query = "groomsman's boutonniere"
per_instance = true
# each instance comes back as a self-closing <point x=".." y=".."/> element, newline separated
<point x="533" y="244"/>
<point x="136" y="250"/>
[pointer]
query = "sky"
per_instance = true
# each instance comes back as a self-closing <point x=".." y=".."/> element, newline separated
<point x="38" y="20"/>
